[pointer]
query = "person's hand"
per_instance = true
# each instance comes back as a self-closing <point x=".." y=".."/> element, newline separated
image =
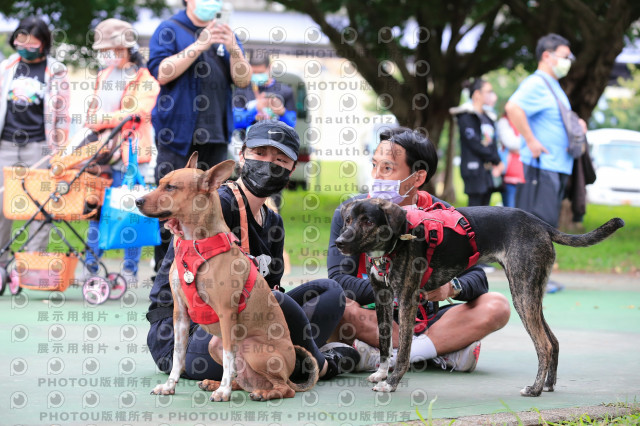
<point x="536" y="148"/>
<point x="496" y="171"/>
<point x="261" y="102"/>
<point x="441" y="293"/>
<point x="222" y="33"/>
<point x="262" y="116"/>
<point x="276" y="105"/>
<point x="205" y="38"/>
<point x="583" y="124"/>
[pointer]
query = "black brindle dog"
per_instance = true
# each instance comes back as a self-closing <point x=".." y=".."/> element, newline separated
<point x="519" y="241"/>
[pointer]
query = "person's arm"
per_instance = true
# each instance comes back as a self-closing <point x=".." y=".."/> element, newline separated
<point x="519" y="119"/>
<point x="174" y="66"/>
<point x="507" y="136"/>
<point x="344" y="269"/>
<point x="290" y="113"/>
<point x="243" y="118"/>
<point x="474" y="283"/>
<point x="290" y="118"/>
<point x="239" y="66"/>
<point x="143" y="97"/>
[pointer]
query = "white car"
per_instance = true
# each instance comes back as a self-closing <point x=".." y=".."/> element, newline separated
<point x="616" y="157"/>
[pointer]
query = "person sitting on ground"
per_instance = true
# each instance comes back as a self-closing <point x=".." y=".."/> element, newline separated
<point x="312" y="310"/>
<point x="452" y="337"/>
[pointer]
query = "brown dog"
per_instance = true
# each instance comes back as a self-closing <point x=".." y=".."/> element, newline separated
<point x="256" y="354"/>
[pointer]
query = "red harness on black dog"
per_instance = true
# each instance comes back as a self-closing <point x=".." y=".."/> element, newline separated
<point x="434" y="218"/>
<point x="190" y="254"/>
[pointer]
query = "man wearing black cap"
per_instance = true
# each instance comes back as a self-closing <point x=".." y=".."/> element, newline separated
<point x="312" y="310"/>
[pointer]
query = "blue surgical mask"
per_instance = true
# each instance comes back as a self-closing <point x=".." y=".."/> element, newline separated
<point x="206" y="10"/>
<point x="260" y="78"/>
<point x="388" y="190"/>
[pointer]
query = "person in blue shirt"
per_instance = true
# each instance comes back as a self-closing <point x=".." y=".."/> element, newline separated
<point x="535" y="113"/>
<point x="195" y="59"/>
<point x="264" y="99"/>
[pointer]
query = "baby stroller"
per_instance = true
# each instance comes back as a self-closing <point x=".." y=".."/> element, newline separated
<point x="65" y="192"/>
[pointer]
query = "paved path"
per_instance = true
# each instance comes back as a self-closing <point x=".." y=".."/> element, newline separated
<point x="68" y="362"/>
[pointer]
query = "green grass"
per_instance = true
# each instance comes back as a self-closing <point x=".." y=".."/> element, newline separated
<point x="631" y="419"/>
<point x="618" y="254"/>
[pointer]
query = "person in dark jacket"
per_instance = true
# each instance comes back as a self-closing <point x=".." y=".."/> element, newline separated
<point x="480" y="162"/>
<point x="196" y="60"/>
<point x="402" y="163"/>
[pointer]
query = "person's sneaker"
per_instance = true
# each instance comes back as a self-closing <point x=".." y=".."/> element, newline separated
<point x="369" y="356"/>
<point x="129" y="276"/>
<point x="341" y="358"/>
<point x="463" y="360"/>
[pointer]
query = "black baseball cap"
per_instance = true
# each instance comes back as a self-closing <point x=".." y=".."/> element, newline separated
<point x="274" y="133"/>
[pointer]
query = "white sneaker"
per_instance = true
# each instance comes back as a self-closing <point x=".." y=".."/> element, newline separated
<point x="463" y="360"/>
<point x="130" y="277"/>
<point x="369" y="356"/>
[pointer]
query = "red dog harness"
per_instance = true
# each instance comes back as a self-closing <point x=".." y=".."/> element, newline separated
<point x="190" y="254"/>
<point x="434" y="218"/>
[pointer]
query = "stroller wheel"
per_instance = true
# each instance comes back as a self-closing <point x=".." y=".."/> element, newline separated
<point x="4" y="279"/>
<point x="96" y="290"/>
<point x="118" y="285"/>
<point x="14" y="283"/>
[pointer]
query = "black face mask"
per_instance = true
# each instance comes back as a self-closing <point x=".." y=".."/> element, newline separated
<point x="263" y="178"/>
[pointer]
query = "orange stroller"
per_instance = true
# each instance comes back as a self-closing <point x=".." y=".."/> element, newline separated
<point x="65" y="192"/>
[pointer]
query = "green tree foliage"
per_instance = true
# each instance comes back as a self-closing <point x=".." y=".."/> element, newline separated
<point x="73" y="20"/>
<point x="410" y="51"/>
<point x="622" y="107"/>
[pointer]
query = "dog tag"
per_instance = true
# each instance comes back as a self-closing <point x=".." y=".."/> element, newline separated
<point x="188" y="277"/>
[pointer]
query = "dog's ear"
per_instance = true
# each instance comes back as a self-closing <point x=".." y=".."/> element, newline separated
<point x="216" y="176"/>
<point x="193" y="161"/>
<point x="346" y="209"/>
<point x="396" y="217"/>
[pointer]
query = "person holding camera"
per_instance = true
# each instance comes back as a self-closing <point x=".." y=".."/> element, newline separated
<point x="195" y="59"/>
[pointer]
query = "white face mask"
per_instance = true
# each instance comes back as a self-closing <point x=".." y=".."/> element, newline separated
<point x="388" y="189"/>
<point x="108" y="59"/>
<point x="562" y="67"/>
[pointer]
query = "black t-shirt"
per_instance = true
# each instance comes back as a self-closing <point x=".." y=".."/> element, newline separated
<point x="266" y="240"/>
<point x="24" y="121"/>
<point x="242" y="96"/>
<point x="211" y="103"/>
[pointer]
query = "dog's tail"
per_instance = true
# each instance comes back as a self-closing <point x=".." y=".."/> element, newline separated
<point x="588" y="239"/>
<point x="306" y="373"/>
